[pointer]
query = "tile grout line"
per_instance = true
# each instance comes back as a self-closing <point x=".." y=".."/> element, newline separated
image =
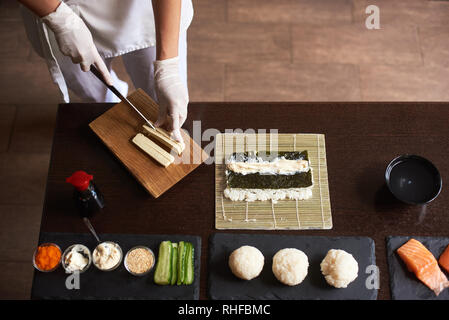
<point x="359" y="82"/>
<point x="226" y="11"/>
<point x="290" y="40"/>
<point x="225" y="75"/>
<point x="418" y="38"/>
<point x="352" y="12"/>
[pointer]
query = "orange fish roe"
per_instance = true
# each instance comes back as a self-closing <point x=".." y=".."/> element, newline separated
<point x="47" y="257"/>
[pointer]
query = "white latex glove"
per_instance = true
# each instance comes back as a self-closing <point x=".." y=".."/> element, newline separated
<point x="75" y="40"/>
<point x="172" y="96"/>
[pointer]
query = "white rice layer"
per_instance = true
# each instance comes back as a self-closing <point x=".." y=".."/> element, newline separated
<point x="240" y="194"/>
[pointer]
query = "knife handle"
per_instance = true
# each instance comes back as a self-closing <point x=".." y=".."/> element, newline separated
<point x="97" y="73"/>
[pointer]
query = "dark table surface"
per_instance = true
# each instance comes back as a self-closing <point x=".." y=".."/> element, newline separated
<point x="361" y="138"/>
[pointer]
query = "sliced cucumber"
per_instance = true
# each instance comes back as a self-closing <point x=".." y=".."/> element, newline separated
<point x="181" y="262"/>
<point x="163" y="273"/>
<point x="189" y="262"/>
<point x="174" y="262"/>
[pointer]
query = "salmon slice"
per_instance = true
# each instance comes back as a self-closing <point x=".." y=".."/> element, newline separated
<point x="444" y="259"/>
<point x="423" y="264"/>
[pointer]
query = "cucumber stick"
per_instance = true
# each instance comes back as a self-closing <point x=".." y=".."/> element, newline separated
<point x="174" y="262"/>
<point x="181" y="262"/>
<point x="163" y="273"/>
<point x="189" y="269"/>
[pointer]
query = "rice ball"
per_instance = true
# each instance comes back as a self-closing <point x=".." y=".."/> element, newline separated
<point x="290" y="266"/>
<point x="246" y="262"/>
<point x="339" y="268"/>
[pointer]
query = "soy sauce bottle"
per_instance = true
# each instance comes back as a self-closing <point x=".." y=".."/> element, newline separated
<point x="86" y="194"/>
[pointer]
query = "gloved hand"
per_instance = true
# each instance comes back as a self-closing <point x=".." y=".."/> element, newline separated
<point x="172" y="96"/>
<point x="75" y="40"/>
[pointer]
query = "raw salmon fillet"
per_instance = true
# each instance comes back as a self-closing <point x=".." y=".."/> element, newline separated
<point x="423" y="264"/>
<point x="444" y="259"/>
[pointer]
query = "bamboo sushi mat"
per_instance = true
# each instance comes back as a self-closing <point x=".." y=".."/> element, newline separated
<point x="313" y="213"/>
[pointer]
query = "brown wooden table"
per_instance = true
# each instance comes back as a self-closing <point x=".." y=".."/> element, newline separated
<point x="361" y="138"/>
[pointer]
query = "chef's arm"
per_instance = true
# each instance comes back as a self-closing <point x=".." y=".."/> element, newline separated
<point x="171" y="92"/>
<point x="167" y="16"/>
<point x="41" y="7"/>
<point x="72" y="35"/>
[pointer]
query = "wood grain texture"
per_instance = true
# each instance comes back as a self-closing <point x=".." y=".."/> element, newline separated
<point x="313" y="213"/>
<point x="318" y="12"/>
<point x="14" y="40"/>
<point x="7" y="119"/>
<point x="26" y="175"/>
<point x="218" y="42"/>
<point x="33" y="85"/>
<point x="119" y="125"/>
<point x="285" y="81"/>
<point x="33" y="128"/>
<point x="355" y="44"/>
<point x="432" y="38"/>
<point x="429" y="83"/>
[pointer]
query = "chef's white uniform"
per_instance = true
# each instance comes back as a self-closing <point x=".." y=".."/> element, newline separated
<point x="119" y="28"/>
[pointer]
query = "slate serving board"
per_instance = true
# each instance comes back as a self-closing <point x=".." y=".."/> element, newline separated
<point x="403" y="284"/>
<point x="117" y="284"/>
<point x="222" y="284"/>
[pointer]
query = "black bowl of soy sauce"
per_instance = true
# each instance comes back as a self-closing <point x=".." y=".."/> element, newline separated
<point x="413" y="179"/>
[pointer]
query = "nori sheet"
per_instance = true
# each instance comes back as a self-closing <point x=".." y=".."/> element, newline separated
<point x="269" y="181"/>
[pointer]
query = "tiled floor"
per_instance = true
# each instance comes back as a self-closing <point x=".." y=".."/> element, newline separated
<point x="246" y="50"/>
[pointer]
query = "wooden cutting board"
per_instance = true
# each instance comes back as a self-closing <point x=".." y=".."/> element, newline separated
<point x="116" y="128"/>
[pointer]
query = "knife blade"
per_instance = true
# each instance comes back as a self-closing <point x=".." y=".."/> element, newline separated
<point x="97" y="73"/>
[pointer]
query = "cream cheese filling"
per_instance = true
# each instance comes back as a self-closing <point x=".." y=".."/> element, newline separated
<point x="277" y="166"/>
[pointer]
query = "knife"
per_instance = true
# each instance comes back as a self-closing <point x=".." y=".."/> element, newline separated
<point x="118" y="94"/>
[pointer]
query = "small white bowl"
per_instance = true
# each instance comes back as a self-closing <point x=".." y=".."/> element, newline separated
<point x="86" y="251"/>
<point x="118" y="263"/>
